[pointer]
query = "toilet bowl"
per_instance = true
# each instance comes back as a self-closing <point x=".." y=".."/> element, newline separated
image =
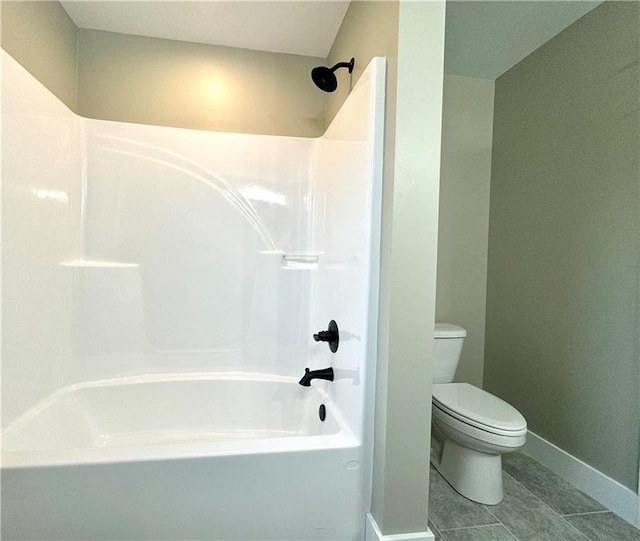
<point x="471" y="427"/>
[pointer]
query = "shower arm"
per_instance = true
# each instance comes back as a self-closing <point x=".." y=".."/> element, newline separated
<point x="344" y="65"/>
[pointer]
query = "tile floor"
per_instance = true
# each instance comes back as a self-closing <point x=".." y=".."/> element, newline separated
<point x="538" y="506"/>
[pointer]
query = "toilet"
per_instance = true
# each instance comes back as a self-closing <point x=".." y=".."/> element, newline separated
<point x="471" y="428"/>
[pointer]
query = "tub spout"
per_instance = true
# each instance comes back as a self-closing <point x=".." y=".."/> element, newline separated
<point x="325" y="373"/>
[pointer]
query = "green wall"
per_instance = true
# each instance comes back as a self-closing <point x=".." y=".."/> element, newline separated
<point x="564" y="239"/>
<point x="463" y="221"/>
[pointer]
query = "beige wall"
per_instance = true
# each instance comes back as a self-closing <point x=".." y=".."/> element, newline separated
<point x="369" y="29"/>
<point x="410" y="270"/>
<point x="191" y="85"/>
<point x="564" y="237"/>
<point x="463" y="229"/>
<point x="163" y="82"/>
<point x="41" y="36"/>
<point x="411" y="36"/>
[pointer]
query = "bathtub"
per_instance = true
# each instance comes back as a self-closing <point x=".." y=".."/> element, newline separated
<point x="197" y="456"/>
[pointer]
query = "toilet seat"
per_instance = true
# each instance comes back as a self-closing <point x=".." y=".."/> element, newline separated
<point x="480" y="409"/>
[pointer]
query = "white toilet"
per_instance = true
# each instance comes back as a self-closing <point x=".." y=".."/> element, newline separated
<point x="471" y="428"/>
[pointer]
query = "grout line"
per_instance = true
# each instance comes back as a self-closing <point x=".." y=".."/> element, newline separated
<point x="489" y="511"/>
<point x="468" y="527"/>
<point x="443" y="532"/>
<point x="587" y="513"/>
<point x="436" y="530"/>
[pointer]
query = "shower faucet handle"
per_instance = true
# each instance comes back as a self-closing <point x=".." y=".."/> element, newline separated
<point x="324" y="336"/>
<point x="331" y="335"/>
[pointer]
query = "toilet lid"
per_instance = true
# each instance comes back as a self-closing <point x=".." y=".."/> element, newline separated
<point x="448" y="330"/>
<point x="478" y="408"/>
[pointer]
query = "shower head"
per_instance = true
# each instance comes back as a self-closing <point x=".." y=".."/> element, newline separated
<point x="325" y="79"/>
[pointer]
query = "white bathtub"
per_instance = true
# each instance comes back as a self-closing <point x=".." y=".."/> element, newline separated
<point x="226" y="456"/>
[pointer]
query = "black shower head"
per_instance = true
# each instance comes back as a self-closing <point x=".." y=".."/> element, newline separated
<point x="325" y="79"/>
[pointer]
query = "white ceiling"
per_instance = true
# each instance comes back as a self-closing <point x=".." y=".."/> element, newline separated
<point x="304" y="27"/>
<point x="484" y="38"/>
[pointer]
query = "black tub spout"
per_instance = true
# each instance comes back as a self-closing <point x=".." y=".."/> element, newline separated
<point x="325" y="373"/>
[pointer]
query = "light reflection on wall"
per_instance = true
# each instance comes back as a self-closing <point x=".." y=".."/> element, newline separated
<point x="212" y="89"/>
<point x="262" y="194"/>
<point x="215" y="88"/>
<point x="54" y="195"/>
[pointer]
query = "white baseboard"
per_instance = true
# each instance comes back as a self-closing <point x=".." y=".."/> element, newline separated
<point x="610" y="493"/>
<point x="373" y="533"/>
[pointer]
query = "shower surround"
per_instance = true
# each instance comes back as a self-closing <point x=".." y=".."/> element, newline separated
<point x="160" y="291"/>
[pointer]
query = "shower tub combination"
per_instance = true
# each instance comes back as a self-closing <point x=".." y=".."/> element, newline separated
<point x="183" y="457"/>
<point x="158" y="315"/>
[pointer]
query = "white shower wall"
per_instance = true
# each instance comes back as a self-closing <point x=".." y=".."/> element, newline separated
<point x="194" y="225"/>
<point x="41" y="199"/>
<point x="346" y="224"/>
<point x="133" y="249"/>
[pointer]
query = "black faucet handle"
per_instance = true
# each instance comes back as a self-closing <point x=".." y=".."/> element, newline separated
<point x="331" y="335"/>
<point x="324" y="336"/>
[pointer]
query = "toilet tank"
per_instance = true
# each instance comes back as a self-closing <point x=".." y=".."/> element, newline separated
<point x="448" y="339"/>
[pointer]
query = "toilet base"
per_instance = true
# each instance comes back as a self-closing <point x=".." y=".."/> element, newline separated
<point x="474" y="474"/>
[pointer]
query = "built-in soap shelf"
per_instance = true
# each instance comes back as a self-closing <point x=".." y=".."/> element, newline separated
<point x="299" y="261"/>
<point x="92" y="264"/>
<point x="294" y="261"/>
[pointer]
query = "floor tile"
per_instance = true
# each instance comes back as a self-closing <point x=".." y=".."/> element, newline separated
<point x="604" y="527"/>
<point x="557" y="493"/>
<point x="529" y="519"/>
<point x="496" y="532"/>
<point x="448" y="509"/>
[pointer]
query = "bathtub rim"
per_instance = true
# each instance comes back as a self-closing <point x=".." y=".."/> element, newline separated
<point x="18" y="459"/>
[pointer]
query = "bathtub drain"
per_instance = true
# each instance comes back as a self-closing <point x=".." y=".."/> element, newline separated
<point x="322" y="412"/>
